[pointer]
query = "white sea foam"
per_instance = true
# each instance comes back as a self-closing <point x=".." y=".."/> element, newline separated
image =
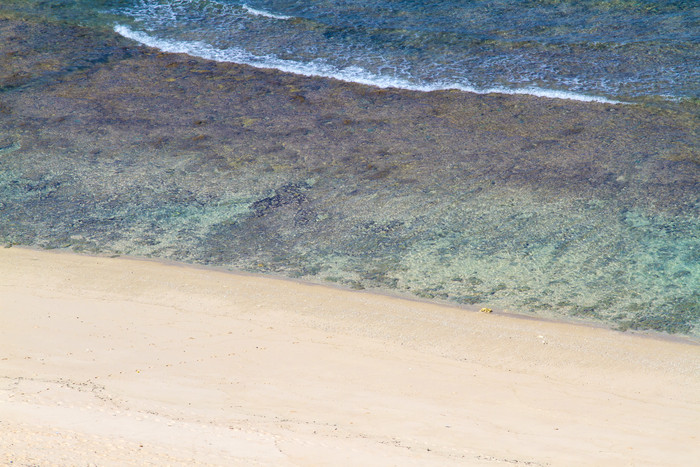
<point x="319" y="68"/>
<point x="264" y="13"/>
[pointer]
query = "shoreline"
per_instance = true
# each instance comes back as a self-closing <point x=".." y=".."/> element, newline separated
<point x="557" y="319"/>
<point x="110" y="358"/>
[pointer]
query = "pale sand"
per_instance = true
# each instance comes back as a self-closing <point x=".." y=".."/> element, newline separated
<point x="129" y="362"/>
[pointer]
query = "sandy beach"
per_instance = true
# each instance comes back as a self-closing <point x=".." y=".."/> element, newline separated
<point x="115" y="361"/>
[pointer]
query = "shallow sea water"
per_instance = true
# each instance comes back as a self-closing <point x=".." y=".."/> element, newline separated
<point x="546" y="207"/>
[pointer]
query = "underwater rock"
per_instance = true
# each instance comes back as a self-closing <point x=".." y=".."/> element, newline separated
<point x="290" y="194"/>
<point x="9" y="147"/>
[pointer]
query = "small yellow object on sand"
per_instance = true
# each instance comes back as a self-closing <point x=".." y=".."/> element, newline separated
<point x="486" y="310"/>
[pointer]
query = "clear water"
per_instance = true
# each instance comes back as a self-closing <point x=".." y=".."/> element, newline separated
<point x="568" y="207"/>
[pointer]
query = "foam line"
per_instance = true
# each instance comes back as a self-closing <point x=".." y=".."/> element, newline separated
<point x="264" y="13"/>
<point x="319" y="68"/>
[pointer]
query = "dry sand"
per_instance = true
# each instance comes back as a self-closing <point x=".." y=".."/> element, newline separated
<point x="113" y="361"/>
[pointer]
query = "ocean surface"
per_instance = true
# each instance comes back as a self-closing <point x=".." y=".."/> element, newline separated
<point x="583" y="49"/>
<point x="539" y="157"/>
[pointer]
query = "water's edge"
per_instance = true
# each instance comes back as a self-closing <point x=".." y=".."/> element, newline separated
<point x="564" y="320"/>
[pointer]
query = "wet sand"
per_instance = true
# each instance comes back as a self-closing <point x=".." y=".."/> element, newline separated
<point x="114" y="361"/>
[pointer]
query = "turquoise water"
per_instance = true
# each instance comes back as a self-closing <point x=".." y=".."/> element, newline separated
<point x="575" y="207"/>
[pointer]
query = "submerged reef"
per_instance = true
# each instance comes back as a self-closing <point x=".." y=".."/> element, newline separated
<point x="542" y="206"/>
